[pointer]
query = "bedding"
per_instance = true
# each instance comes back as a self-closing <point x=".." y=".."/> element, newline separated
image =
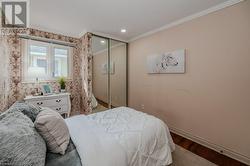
<point x="70" y="158"/>
<point x="52" y="127"/>
<point x="20" y="144"/>
<point x="121" y="136"/>
<point x="29" y="110"/>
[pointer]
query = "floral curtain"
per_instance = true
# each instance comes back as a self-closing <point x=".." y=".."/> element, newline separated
<point x="13" y="77"/>
<point x="4" y="73"/>
<point x="86" y="72"/>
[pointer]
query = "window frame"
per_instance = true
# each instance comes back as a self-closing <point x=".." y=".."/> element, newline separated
<point x="69" y="59"/>
<point x="26" y="43"/>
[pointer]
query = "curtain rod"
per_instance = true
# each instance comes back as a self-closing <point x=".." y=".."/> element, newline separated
<point x="47" y="40"/>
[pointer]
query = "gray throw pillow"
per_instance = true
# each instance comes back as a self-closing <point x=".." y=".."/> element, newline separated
<point x="20" y="143"/>
<point x="27" y="109"/>
<point x="53" y="129"/>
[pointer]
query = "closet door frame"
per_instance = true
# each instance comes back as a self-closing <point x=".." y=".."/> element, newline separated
<point x="109" y="82"/>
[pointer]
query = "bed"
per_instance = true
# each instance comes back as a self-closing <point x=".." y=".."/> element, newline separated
<point x="121" y="137"/>
<point x="116" y="137"/>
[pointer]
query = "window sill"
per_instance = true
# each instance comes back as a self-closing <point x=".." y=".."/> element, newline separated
<point x="45" y="81"/>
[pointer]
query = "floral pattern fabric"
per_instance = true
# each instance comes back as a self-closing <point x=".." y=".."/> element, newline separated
<point x="80" y="86"/>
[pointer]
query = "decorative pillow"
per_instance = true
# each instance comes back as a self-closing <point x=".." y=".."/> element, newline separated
<point x="53" y="129"/>
<point x="20" y="143"/>
<point x="27" y="109"/>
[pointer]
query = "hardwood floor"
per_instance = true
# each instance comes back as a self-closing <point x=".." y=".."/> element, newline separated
<point x="104" y="103"/>
<point x="205" y="152"/>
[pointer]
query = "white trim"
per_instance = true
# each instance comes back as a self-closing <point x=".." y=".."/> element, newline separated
<point x="50" y="55"/>
<point x="189" y="18"/>
<point x="45" y="81"/>
<point x="69" y="59"/>
<point x="218" y="148"/>
<point x="109" y="36"/>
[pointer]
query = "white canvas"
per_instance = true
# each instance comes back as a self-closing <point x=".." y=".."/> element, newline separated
<point x="170" y="62"/>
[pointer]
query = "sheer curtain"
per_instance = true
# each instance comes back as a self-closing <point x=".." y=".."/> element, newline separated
<point x="4" y="73"/>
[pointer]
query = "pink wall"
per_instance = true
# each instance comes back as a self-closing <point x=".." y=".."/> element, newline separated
<point x="211" y="101"/>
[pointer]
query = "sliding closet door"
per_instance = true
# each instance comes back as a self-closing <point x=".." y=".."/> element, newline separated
<point x="100" y="82"/>
<point x="118" y="73"/>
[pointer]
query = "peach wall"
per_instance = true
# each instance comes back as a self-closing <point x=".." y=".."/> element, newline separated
<point x="212" y="99"/>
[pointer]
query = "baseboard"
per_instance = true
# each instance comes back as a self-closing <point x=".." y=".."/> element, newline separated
<point x="220" y="149"/>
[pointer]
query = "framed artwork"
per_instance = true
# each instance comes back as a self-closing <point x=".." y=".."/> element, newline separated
<point x="46" y="89"/>
<point x="104" y="68"/>
<point x="170" y="62"/>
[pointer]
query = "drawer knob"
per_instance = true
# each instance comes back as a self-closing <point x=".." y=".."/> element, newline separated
<point x="39" y="103"/>
<point x="58" y="109"/>
<point x="58" y="101"/>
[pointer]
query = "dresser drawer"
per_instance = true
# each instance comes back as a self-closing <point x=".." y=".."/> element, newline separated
<point x="57" y="102"/>
<point x="61" y="109"/>
<point x="51" y="102"/>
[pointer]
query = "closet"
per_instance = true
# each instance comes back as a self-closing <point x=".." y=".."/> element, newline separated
<point x="109" y="73"/>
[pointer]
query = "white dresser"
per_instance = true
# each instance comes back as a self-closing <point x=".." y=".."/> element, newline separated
<point x="58" y="102"/>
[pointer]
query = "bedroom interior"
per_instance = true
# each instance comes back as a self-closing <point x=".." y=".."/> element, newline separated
<point x="134" y="83"/>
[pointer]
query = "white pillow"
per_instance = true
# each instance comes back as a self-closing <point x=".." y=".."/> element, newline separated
<point x="52" y="127"/>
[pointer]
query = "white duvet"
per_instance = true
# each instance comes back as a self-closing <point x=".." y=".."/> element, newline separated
<point x="121" y="137"/>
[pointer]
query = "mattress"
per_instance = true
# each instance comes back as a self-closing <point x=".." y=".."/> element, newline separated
<point x="121" y="136"/>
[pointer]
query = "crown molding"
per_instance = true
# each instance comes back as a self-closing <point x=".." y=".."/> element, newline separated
<point x="109" y="36"/>
<point x="189" y="18"/>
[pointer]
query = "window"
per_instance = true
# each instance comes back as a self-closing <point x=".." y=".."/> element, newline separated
<point x="45" y="61"/>
<point x="61" y="62"/>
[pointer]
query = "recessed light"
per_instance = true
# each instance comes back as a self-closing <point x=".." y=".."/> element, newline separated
<point x="102" y="42"/>
<point x="123" y="30"/>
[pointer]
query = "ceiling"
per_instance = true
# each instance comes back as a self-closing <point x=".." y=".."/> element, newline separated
<point x="75" y="17"/>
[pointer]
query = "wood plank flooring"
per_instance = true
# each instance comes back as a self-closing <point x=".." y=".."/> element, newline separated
<point x="205" y="152"/>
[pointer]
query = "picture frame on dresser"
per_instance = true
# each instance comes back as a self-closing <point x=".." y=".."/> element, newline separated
<point x="46" y="89"/>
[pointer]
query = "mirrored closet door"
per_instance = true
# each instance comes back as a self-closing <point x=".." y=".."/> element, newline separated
<point x="109" y="73"/>
<point x="118" y="73"/>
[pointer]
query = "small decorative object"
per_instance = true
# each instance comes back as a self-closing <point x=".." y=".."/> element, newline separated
<point x="62" y="83"/>
<point x="46" y="89"/>
<point x="170" y="62"/>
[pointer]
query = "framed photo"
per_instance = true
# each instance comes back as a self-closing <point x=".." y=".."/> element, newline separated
<point x="104" y="68"/>
<point x="46" y="89"/>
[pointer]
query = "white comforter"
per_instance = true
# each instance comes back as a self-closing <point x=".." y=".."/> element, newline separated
<point x="121" y="137"/>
